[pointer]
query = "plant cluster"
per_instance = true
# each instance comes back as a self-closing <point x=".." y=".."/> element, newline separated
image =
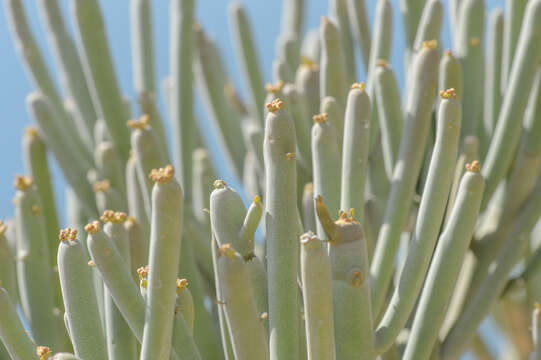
<point x="384" y="224"/>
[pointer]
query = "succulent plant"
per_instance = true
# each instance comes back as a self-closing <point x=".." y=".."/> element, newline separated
<point x="383" y="225"/>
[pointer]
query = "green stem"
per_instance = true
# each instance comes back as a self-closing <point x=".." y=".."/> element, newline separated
<point x="33" y="268"/>
<point x="12" y="331"/>
<point x="121" y="343"/>
<point x="100" y="72"/>
<point x="317" y="291"/>
<point x="142" y="47"/>
<point x="448" y="258"/>
<point x="489" y="290"/>
<point x="247" y="57"/>
<point x="355" y="151"/>
<point x="281" y="217"/>
<point x="507" y="133"/>
<point x="71" y="74"/>
<point x="389" y="105"/>
<point x="418" y="112"/>
<point x="493" y="66"/>
<point x="326" y="161"/>
<point x="358" y="18"/>
<point x="165" y="241"/>
<point x="429" y="220"/>
<point x="82" y="312"/>
<point x="247" y="334"/>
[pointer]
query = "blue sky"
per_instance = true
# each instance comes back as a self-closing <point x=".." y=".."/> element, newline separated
<point x="265" y="14"/>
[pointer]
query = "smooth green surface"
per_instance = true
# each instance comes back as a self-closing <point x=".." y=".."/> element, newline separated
<point x="427" y="227"/>
<point x="448" y="258"/>
<point x="418" y="112"/>
<point x="317" y="290"/>
<point x="80" y="300"/>
<point x="165" y="241"/>
<point x="282" y="247"/>
<point x="12" y="332"/>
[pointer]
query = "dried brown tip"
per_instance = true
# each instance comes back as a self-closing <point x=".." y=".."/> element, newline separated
<point x="291" y="155"/>
<point x="229" y="90"/>
<point x="307" y="237"/>
<point x="162" y="175"/>
<point x="44" y="352"/>
<point x="448" y="53"/>
<point x="324" y="20"/>
<point x="182" y="284"/>
<point x="309" y="188"/>
<point x="274" y="88"/>
<point x="227" y="250"/>
<point x="91" y="263"/>
<point x="257" y="200"/>
<point x="274" y="105"/>
<point x="219" y="184"/>
<point x="92" y="227"/>
<point x="142" y="272"/>
<point x="356" y="278"/>
<point x="382" y="63"/>
<point x="448" y="94"/>
<point x="120" y="217"/>
<point x="233" y="96"/>
<point x="358" y="86"/>
<point x="101" y="186"/>
<point x="474" y="166"/>
<point x="320" y="118"/>
<point x="475" y="41"/>
<point x="264" y="316"/>
<point x="67" y="234"/>
<point x="430" y="44"/>
<point x="143" y="275"/>
<point x="36" y="210"/>
<point x="309" y="63"/>
<point x="130" y="221"/>
<point x="113" y="217"/>
<point x="3" y="228"/>
<point x="31" y="131"/>
<point x="22" y="182"/>
<point x="107" y="216"/>
<point x="139" y="124"/>
<point x="344" y="217"/>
